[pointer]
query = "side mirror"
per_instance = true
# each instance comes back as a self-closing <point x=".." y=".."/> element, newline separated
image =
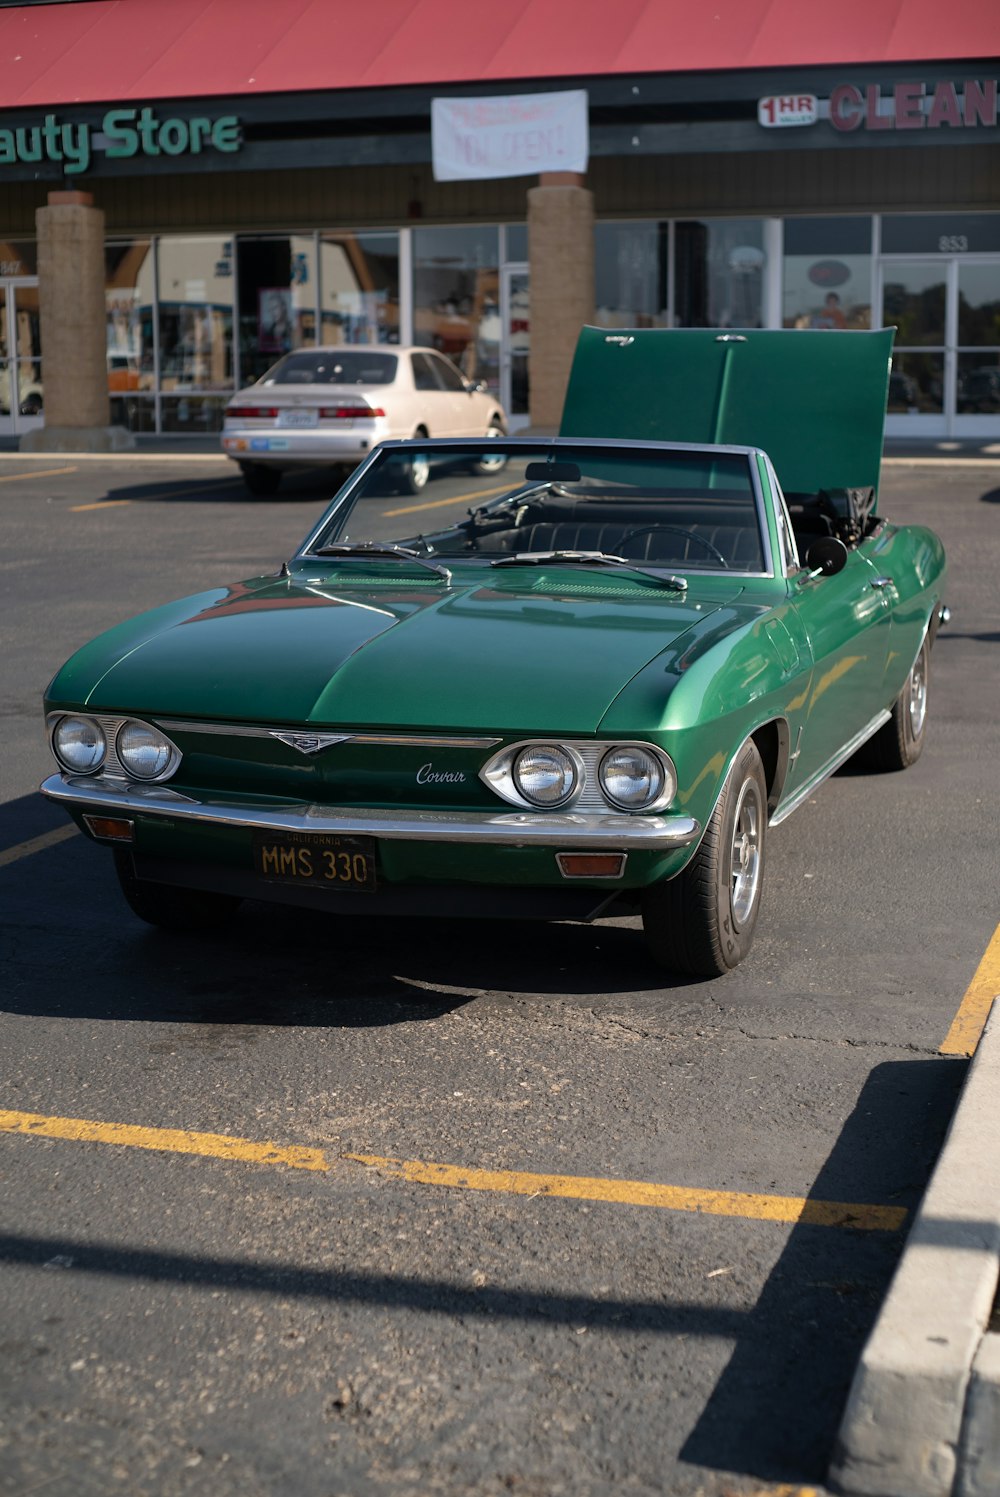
<point x="826" y="557"/>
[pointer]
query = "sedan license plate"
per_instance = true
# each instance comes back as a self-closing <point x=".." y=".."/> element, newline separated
<point x="298" y="418"/>
<point x="319" y="860"/>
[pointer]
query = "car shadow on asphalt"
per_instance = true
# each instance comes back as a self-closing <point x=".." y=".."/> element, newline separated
<point x="776" y="1409"/>
<point x="227" y="487"/>
<point x="273" y="964"/>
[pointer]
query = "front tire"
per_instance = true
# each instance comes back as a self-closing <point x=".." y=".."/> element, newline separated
<point x="169" y="907"/>
<point x="260" y="479"/>
<point x="702" y="922"/>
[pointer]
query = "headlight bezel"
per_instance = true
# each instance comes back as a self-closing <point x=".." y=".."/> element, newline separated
<point x="588" y="794"/>
<point x="111" y="765"/>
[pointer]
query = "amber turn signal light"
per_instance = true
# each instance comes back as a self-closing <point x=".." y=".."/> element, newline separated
<point x="110" y="828"/>
<point x="591" y="864"/>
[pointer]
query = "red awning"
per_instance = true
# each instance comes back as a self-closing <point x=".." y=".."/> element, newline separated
<point x="106" y="50"/>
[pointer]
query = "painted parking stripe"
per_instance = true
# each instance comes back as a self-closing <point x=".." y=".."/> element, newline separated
<point x="36" y="844"/>
<point x="169" y="1140"/>
<point x="644" y="1193"/>
<point x="791" y="1209"/>
<point x="76" y="509"/>
<point x="42" y="473"/>
<point x="973" y="1011"/>
<point x="412" y="509"/>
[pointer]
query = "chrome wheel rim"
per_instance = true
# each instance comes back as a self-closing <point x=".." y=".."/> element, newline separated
<point x="918" y="695"/>
<point x="489" y="464"/>
<point x="745" y="856"/>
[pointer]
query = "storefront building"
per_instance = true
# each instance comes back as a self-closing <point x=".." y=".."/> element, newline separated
<point x="280" y="197"/>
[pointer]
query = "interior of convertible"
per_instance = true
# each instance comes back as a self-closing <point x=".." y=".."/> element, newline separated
<point x="675" y="509"/>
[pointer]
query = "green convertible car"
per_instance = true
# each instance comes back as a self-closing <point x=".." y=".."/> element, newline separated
<point x="575" y="676"/>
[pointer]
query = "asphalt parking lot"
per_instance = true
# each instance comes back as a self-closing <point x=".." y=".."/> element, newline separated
<point x="320" y="1208"/>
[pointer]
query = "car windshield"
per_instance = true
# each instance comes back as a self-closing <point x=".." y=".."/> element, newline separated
<point x="651" y="506"/>
<point x="331" y="366"/>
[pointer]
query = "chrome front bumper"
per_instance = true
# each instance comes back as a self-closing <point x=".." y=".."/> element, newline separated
<point x="99" y="797"/>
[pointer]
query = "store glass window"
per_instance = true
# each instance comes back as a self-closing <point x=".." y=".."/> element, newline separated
<point x="719" y="272"/>
<point x="978" y="385"/>
<point x="196" y="331"/>
<point x="516" y="248"/>
<point x="940" y="233"/>
<point x="18" y="257"/>
<point x="276" y="276"/>
<point x="129" y="286"/>
<point x="630" y="274"/>
<point x="827" y="273"/>
<point x="359" y="288"/>
<point x="457" y="297"/>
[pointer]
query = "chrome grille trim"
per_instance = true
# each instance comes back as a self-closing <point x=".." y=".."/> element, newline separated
<point x="398" y="740"/>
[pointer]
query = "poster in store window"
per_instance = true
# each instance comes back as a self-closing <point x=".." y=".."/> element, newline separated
<point x="274" y="319"/>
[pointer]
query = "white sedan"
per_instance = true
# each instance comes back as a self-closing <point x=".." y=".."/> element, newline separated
<point x="321" y="406"/>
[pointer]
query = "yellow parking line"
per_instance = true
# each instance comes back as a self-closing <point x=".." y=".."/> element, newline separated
<point x="36" y="844"/>
<point x="76" y="509"/>
<point x="412" y="509"/>
<point x="42" y="473"/>
<point x="506" y="1182"/>
<point x="171" y="1140"/>
<point x="973" y="1011"/>
<point x="644" y="1193"/>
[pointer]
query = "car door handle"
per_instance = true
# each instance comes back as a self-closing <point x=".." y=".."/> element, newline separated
<point x="882" y="582"/>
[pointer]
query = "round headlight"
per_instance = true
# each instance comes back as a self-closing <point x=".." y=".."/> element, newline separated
<point x="632" y="778"/>
<point x="545" y="775"/>
<point x="143" y="751"/>
<point x="79" y="744"/>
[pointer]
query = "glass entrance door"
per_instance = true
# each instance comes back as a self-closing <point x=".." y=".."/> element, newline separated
<point x="21" y="394"/>
<point x="515" y="345"/>
<point x="945" y="379"/>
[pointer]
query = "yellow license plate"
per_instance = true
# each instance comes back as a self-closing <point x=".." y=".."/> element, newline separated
<point x="317" y="859"/>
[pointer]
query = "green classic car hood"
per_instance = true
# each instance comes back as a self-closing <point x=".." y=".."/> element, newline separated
<point x="408" y="654"/>
<point x="813" y="400"/>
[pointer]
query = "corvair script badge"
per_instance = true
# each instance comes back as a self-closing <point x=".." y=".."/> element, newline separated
<point x="428" y="775"/>
<point x="311" y="743"/>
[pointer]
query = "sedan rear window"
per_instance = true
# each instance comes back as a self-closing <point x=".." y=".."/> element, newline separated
<point x="328" y="366"/>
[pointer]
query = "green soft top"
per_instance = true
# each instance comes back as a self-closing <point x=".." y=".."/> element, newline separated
<point x="814" y="400"/>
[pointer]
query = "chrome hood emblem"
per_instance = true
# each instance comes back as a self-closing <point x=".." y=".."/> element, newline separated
<point x="310" y="743"/>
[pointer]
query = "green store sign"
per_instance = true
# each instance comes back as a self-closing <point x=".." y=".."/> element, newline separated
<point x="122" y="133"/>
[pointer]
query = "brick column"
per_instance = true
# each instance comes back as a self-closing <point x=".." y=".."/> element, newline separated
<point x="561" y="252"/>
<point x="72" y="326"/>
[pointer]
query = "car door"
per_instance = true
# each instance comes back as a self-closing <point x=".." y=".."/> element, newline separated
<point x="462" y="415"/>
<point x="845" y="620"/>
<point x="431" y="402"/>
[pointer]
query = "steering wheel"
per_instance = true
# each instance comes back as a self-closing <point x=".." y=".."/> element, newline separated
<point x="689" y="535"/>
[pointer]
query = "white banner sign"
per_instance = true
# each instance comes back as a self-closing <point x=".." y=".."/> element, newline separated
<point x="517" y="136"/>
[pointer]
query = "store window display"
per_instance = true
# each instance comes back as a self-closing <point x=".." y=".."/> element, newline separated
<point x="456" y="281"/>
<point x="827" y="273"/>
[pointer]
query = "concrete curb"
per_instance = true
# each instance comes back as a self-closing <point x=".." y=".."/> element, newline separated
<point x="923" y="1415"/>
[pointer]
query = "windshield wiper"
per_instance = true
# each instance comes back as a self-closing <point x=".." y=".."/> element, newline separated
<point x="588" y="559"/>
<point x="383" y="551"/>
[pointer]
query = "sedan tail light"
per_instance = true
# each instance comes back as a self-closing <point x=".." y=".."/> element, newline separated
<point x="251" y="412"/>
<point x="350" y="412"/>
